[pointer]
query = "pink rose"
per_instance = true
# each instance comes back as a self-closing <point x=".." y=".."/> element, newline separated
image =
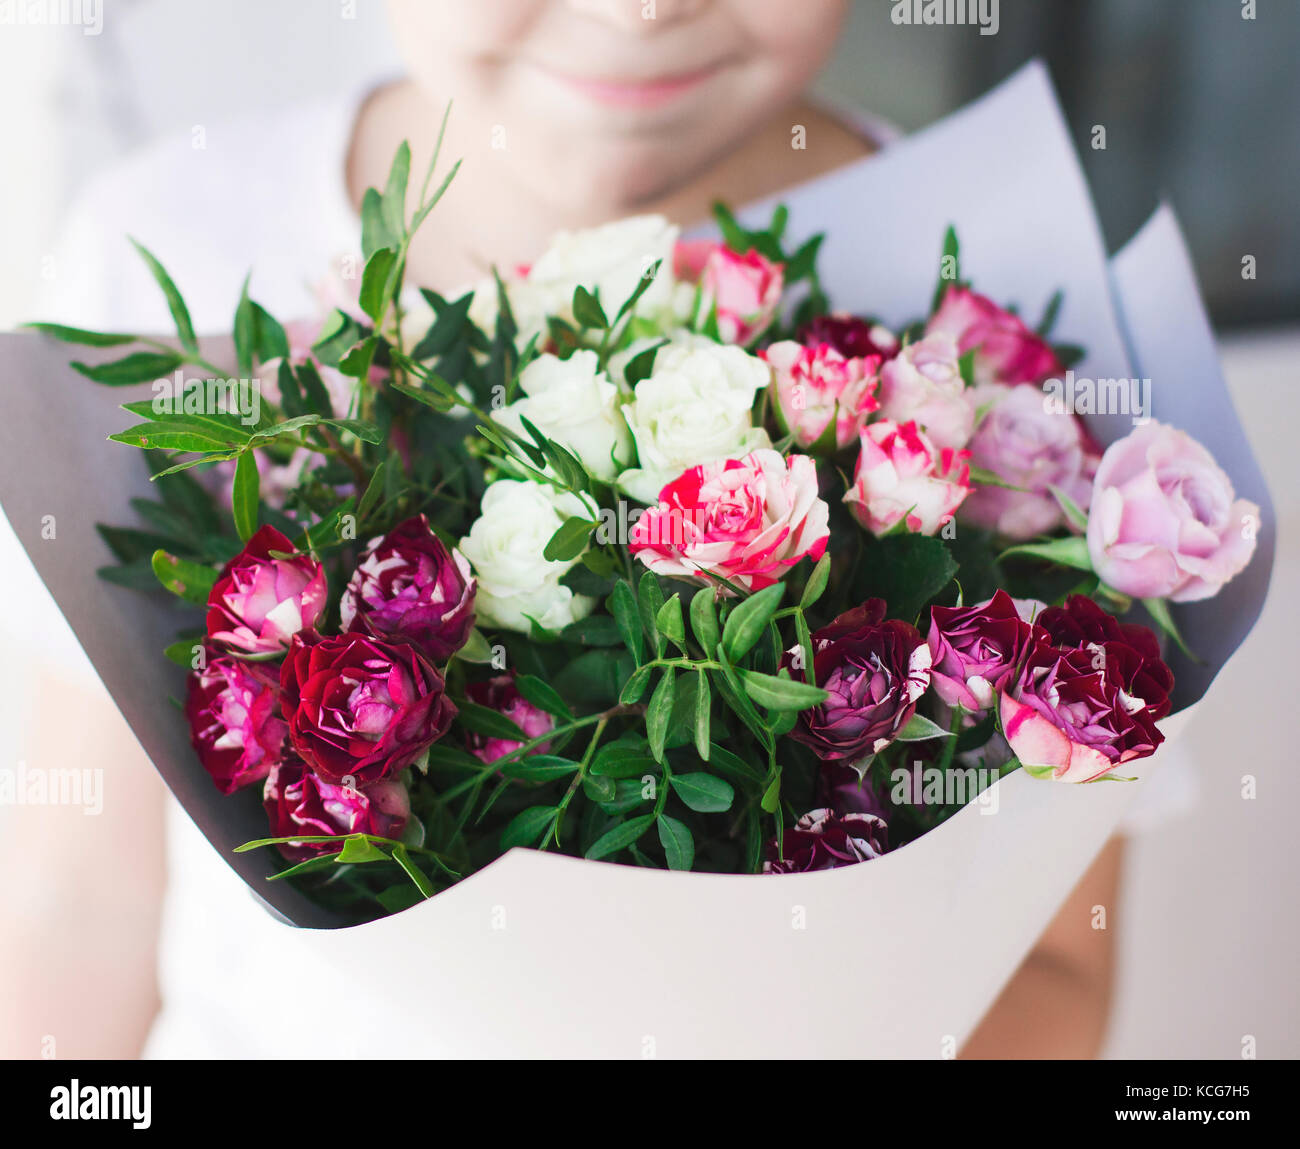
<point x="817" y="387"/>
<point x="1031" y="447"/>
<point x="744" y="289"/>
<point x="746" y="520"/>
<point x="501" y="694"/>
<point x="1164" y="521"/>
<point x="299" y="802"/>
<point x="236" y="728"/>
<point x="1006" y="351"/>
<point x="923" y="384"/>
<point x="901" y="477"/>
<point x="260" y="602"/>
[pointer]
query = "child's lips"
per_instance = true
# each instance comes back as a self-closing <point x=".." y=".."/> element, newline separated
<point x="636" y="93"/>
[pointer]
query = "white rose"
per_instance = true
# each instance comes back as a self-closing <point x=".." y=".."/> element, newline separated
<point x="529" y="304"/>
<point x="504" y="546"/>
<point x="676" y="337"/>
<point x="696" y="407"/>
<point x="609" y="261"/>
<point x="573" y="402"/>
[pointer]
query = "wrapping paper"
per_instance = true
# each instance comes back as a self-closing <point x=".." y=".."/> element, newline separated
<point x="543" y="955"/>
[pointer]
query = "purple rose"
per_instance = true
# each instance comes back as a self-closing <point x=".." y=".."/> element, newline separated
<point x="1025" y="443"/>
<point x="501" y="694"/>
<point x="1165" y="522"/>
<point x="299" y="802"/>
<point x="874" y="670"/>
<point x="409" y="585"/>
<point x="974" y="650"/>
<point x="235" y="725"/>
<point x="822" y="840"/>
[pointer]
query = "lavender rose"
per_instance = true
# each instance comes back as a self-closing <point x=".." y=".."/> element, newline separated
<point x="360" y="709"/>
<point x="501" y="694"/>
<point x="875" y="669"/>
<point x="235" y="725"/>
<point x="823" y="840"/>
<point x="923" y="384"/>
<point x="260" y="602"/>
<point x="409" y="585"/>
<point x="299" y="802"/>
<point x="1165" y="522"/>
<point x="975" y="650"/>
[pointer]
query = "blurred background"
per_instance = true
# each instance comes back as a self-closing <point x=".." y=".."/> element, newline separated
<point x="1200" y="106"/>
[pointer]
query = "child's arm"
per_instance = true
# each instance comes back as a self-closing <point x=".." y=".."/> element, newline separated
<point x="1058" y="1002"/>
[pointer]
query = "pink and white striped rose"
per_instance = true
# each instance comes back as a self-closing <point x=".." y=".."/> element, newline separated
<point x="903" y="478"/>
<point x="816" y="387"/>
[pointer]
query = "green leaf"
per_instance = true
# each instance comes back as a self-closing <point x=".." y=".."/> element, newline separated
<point x="642" y="364"/>
<point x="620" y="760"/>
<point x="543" y="695"/>
<point x="374" y="490"/>
<point x="587" y="309"/>
<point x="358" y="850"/>
<point x="366" y="432"/>
<point x="747" y="621"/>
<point x="403" y="859"/>
<point x="175" y="303"/>
<point x="649" y="600"/>
<point x="569" y="540"/>
<point x="243" y="500"/>
<point x="1053" y="309"/>
<point x="622" y="605"/>
<point x="182" y="651"/>
<point x="80" y="335"/>
<point x="175" y="436"/>
<point x="770" y="803"/>
<point x="595" y="629"/>
<point x="643" y="285"/>
<point x="635" y="686"/>
<point x="703" y="793"/>
<point x="966" y="367"/>
<point x="245" y="332"/>
<point x="375" y="233"/>
<point x="183" y="578"/>
<point x="526" y="827"/>
<point x="1068" y="552"/>
<point x="951" y="251"/>
<point x="660" y="711"/>
<point x="539" y="768"/>
<point x="703" y="706"/>
<point x="776" y="693"/>
<point x="394" y="200"/>
<point x="678" y="844"/>
<point x="669" y="621"/>
<point x="357" y="362"/>
<point x="815" y="587"/>
<point x="374" y="281"/>
<point x="270" y="342"/>
<point x="599" y="788"/>
<point x="620" y="837"/>
<point x="919" y="728"/>
<point x="138" y="367"/>
<point x="484" y="720"/>
<point x="1158" y="609"/>
<point x="905" y="570"/>
<point x="704" y="619"/>
<point x="1075" y="514"/>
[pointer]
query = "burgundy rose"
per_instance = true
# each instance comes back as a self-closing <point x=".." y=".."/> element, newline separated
<point x="359" y="708"/>
<point x="874" y="669"/>
<point x="1006" y="351"/>
<point x="852" y="337"/>
<point x="235" y="725"/>
<point x="409" y="585"/>
<point x="822" y="840"/>
<point x="976" y="649"/>
<point x="260" y="602"/>
<point x="501" y="694"/>
<point x="299" y="802"/>
<point x="845" y="791"/>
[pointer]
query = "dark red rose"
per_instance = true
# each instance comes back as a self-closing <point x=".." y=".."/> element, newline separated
<point x="976" y="649"/>
<point x="875" y="669"/>
<point x="235" y="724"/>
<point x="359" y="708"/>
<point x="1131" y="651"/>
<point x="409" y="585"/>
<point x="852" y="337"/>
<point x="298" y="802"/>
<point x="260" y="602"/>
<point x="502" y="695"/>
<point x="822" y="840"/>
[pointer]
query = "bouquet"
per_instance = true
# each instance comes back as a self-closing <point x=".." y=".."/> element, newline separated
<point x="649" y="552"/>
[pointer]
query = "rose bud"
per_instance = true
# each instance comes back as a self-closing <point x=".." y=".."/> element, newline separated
<point x="975" y="650"/>
<point x="852" y="337"/>
<point x="1067" y="717"/>
<point x="923" y="384"/>
<point x="299" y="802"/>
<point x="360" y="708"/>
<point x="1131" y="652"/>
<point x="408" y="585"/>
<point x="745" y="520"/>
<point x="236" y="728"/>
<point x="1032" y="448"/>
<point x="874" y="669"/>
<point x="1006" y="351"/>
<point x="260" y="602"/>
<point x="820" y="393"/>
<point x="501" y="694"/>
<point x="822" y="840"/>
<point x="1165" y="522"/>
<point x="901" y="477"/>
<point x="745" y="291"/>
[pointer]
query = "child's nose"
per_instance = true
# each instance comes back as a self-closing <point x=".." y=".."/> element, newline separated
<point x="639" y="16"/>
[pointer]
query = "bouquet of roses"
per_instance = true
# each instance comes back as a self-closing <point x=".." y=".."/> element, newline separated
<point x="645" y="553"/>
